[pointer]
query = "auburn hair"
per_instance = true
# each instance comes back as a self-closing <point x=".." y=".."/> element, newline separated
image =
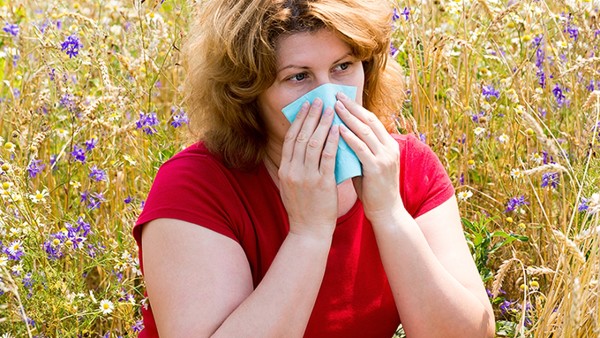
<point x="230" y="59"/>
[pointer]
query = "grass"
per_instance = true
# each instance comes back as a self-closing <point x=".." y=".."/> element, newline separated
<point x="507" y="94"/>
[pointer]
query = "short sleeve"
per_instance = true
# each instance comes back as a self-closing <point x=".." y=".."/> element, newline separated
<point x="192" y="188"/>
<point x="424" y="181"/>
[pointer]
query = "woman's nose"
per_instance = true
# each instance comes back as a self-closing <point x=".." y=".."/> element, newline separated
<point x="322" y="79"/>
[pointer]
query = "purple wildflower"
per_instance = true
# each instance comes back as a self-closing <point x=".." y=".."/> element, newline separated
<point x="138" y="326"/>
<point x="539" y="57"/>
<point x="43" y="25"/>
<point x="515" y="203"/>
<point x="571" y="29"/>
<point x="14" y="251"/>
<point x="84" y="196"/>
<point x="541" y="78"/>
<point x="505" y="307"/>
<point x="68" y="101"/>
<point x="179" y="119"/>
<point x="11" y="29"/>
<point x="53" y="248"/>
<point x="71" y="46"/>
<point x="547" y="158"/>
<point x="476" y="117"/>
<point x="406" y="13"/>
<point x="27" y="282"/>
<point x="489" y="91"/>
<point x="52" y="74"/>
<point x="393" y="50"/>
<point x="35" y="167"/>
<point x="590" y="87"/>
<point x="53" y="159"/>
<point x="90" y="144"/>
<point x="559" y="95"/>
<point x="83" y="226"/>
<point x="550" y="180"/>
<point x="97" y="174"/>
<point x="78" y="153"/>
<point x="584" y="205"/>
<point x="395" y="15"/>
<point x="147" y="123"/>
<point x="30" y="322"/>
<point x="127" y="200"/>
<point x="95" y="200"/>
<point x="91" y="250"/>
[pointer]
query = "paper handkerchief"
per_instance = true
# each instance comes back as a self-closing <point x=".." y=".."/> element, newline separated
<point x="347" y="164"/>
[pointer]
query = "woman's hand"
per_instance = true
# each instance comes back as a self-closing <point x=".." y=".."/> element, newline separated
<point x="306" y="173"/>
<point x="378" y="188"/>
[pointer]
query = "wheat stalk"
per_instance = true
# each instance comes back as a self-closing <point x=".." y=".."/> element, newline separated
<point x="539" y="270"/>
<point x="499" y="278"/>
<point x="571" y="246"/>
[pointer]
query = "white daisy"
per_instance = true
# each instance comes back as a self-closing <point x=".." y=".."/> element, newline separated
<point x="106" y="306"/>
<point x="39" y="196"/>
<point x="464" y="195"/>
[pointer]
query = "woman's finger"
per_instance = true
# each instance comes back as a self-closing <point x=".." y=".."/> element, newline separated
<point x="360" y="129"/>
<point x="290" y="137"/>
<point x="364" y="153"/>
<point x="317" y="140"/>
<point x="365" y="117"/>
<point x="327" y="165"/>
<point x="306" y="131"/>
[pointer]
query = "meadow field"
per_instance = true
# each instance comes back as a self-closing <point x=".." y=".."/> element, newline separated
<point x="507" y="93"/>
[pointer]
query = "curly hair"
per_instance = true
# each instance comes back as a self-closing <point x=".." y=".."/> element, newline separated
<point x="230" y="59"/>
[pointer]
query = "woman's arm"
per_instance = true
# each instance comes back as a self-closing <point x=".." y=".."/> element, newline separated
<point x="436" y="286"/>
<point x="199" y="283"/>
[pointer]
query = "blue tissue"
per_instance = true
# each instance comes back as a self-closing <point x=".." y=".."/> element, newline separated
<point x="347" y="164"/>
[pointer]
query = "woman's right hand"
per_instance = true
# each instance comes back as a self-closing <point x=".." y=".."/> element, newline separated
<point x="306" y="172"/>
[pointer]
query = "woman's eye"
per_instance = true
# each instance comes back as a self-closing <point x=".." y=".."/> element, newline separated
<point x="343" y="66"/>
<point x="298" y="77"/>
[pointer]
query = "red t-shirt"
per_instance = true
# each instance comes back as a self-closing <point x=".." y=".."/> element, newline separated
<point x="355" y="298"/>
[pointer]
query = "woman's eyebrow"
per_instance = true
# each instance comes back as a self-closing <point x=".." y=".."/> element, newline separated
<point x="305" y="67"/>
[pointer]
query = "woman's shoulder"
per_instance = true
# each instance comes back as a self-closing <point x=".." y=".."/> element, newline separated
<point x="424" y="180"/>
<point x="192" y="163"/>
<point x="411" y="145"/>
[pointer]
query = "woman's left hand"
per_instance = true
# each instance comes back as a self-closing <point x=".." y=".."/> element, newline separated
<point x="379" y="153"/>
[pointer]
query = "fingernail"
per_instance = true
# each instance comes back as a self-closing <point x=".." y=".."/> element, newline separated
<point x="305" y="105"/>
<point x="343" y="128"/>
<point x="328" y="112"/>
<point x="342" y="96"/>
<point x="317" y="102"/>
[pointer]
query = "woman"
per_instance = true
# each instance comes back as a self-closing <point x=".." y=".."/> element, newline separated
<point x="246" y="233"/>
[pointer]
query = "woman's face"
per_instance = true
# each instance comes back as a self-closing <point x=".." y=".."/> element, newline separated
<point x="304" y="62"/>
